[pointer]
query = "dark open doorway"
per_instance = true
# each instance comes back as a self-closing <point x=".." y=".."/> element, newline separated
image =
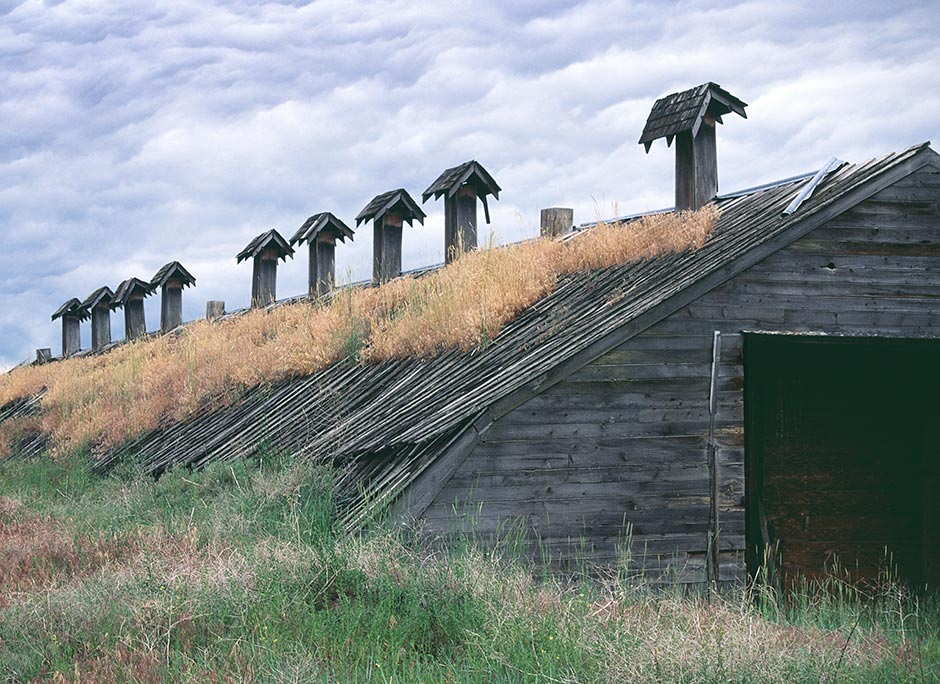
<point x="843" y="455"/>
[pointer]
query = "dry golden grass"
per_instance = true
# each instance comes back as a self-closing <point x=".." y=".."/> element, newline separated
<point x="105" y="399"/>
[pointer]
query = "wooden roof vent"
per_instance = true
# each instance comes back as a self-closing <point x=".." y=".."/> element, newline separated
<point x="71" y="314"/>
<point x="265" y="250"/>
<point x="129" y="295"/>
<point x="320" y="232"/>
<point x="690" y="118"/>
<point x="389" y="212"/>
<point x="461" y="186"/>
<point x="98" y="306"/>
<point x="171" y="279"/>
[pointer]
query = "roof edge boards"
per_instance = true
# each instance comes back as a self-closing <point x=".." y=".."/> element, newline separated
<point x="414" y="499"/>
<point x="800" y="227"/>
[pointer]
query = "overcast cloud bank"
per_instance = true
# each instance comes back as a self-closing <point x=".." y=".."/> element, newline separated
<point x="135" y="134"/>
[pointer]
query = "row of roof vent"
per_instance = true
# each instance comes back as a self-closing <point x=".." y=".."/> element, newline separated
<point x="129" y="295"/>
<point x="688" y="117"/>
<point x="460" y="187"/>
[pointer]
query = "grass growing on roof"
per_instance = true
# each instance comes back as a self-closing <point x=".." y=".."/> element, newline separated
<point x="105" y="399"/>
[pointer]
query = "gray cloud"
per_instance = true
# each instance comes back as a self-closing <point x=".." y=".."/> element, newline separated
<point x="136" y="133"/>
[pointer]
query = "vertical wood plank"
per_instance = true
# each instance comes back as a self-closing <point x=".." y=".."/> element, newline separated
<point x="71" y="335"/>
<point x="556" y="221"/>
<point x="135" y="324"/>
<point x="171" y="305"/>
<point x="100" y="326"/>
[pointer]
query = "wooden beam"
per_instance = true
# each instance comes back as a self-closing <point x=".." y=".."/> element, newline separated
<point x="460" y="223"/>
<point x="215" y="309"/>
<point x="712" y="566"/>
<point x="696" y="167"/>
<point x="556" y="221"/>
<point x="386" y="247"/>
<point x="71" y="335"/>
<point x="322" y="265"/>
<point x="135" y="325"/>
<point x="100" y="326"/>
<point x="171" y="305"/>
<point x="264" y="278"/>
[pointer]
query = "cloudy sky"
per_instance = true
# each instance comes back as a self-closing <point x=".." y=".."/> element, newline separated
<point x="133" y="133"/>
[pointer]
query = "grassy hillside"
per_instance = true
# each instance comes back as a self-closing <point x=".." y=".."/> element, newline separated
<point x="234" y="574"/>
<point x="105" y="399"/>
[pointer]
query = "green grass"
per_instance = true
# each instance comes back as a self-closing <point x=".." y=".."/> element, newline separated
<point x="235" y="573"/>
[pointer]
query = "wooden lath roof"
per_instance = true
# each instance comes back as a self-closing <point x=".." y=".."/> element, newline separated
<point x="128" y="289"/>
<point x="399" y="200"/>
<point x="101" y="295"/>
<point x="471" y="172"/>
<point x="174" y="269"/>
<point x="325" y="221"/>
<point x="386" y="422"/>
<point x="70" y="307"/>
<point x="270" y="239"/>
<point x="684" y="111"/>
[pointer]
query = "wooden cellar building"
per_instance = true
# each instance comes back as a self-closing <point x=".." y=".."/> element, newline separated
<point x="773" y="391"/>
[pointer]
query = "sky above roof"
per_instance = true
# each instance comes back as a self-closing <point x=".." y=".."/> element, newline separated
<point x="136" y="133"/>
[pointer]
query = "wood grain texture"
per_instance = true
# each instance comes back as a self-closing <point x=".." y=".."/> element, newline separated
<point x="618" y="449"/>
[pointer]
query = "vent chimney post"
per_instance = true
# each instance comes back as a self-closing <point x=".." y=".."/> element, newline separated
<point x="690" y="118"/>
<point x="98" y="306"/>
<point x="265" y="251"/>
<point x="43" y="355"/>
<point x="130" y="295"/>
<point x="389" y="212"/>
<point x="556" y="221"/>
<point x="320" y="232"/>
<point x="71" y="314"/>
<point x="461" y="186"/>
<point x="171" y="279"/>
<point x="215" y="309"/>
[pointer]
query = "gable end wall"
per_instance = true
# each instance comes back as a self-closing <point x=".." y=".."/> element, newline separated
<point x="610" y="464"/>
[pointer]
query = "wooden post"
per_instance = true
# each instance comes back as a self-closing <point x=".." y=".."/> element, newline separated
<point x="461" y="186"/>
<point x="713" y="560"/>
<point x="386" y="245"/>
<point x="43" y="355"/>
<point x="100" y="326"/>
<point x="556" y="221"/>
<point x="71" y="335"/>
<point x="264" y="278"/>
<point x="215" y="309"/>
<point x="134" y="323"/>
<point x="696" y="167"/>
<point x="322" y="265"/>
<point x="320" y="232"/>
<point x="460" y="223"/>
<point x="264" y="251"/>
<point x="690" y="117"/>
<point x="171" y="305"/>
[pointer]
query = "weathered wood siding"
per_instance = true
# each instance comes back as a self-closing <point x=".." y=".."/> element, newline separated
<point x="618" y="449"/>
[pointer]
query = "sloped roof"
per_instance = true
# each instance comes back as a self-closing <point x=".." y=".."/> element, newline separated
<point x="318" y="223"/>
<point x="353" y="414"/>
<point x="272" y="239"/>
<point x="71" y="306"/>
<point x="393" y="199"/>
<point x="174" y="269"/>
<point x="102" y="294"/>
<point x="469" y="172"/>
<point x="683" y="111"/>
<point x="127" y="289"/>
